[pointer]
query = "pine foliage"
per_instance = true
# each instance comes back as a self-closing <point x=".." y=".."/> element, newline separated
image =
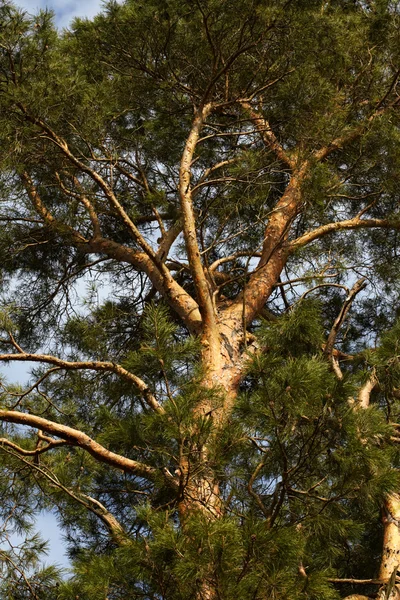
<point x="199" y="267"/>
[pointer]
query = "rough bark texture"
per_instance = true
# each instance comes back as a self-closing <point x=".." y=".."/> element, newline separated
<point x="391" y="538"/>
<point x="225" y="111"/>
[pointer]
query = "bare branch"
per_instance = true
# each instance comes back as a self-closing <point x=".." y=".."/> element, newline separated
<point x="355" y="581"/>
<point x="268" y="136"/>
<point x="355" y="223"/>
<point x="321" y="285"/>
<point x="39" y="450"/>
<point x="189" y="223"/>
<point x="231" y="257"/>
<point x="118" y="533"/>
<point x="356" y="289"/>
<point x="168" y="238"/>
<point x="81" y="440"/>
<point x="365" y="392"/>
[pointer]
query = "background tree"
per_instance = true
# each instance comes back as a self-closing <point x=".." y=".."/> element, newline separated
<point x="219" y="418"/>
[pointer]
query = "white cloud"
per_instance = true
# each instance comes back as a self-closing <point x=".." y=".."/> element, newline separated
<point x="64" y="10"/>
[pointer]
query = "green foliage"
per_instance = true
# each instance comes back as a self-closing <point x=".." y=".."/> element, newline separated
<point x="23" y="575"/>
<point x="283" y="492"/>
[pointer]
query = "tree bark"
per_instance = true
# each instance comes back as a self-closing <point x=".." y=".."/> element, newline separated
<point x="391" y="537"/>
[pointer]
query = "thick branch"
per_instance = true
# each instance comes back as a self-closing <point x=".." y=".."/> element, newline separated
<point x="176" y="296"/>
<point x="365" y="392"/>
<point x="268" y="136"/>
<point x="357" y="597"/>
<point x="80" y="439"/>
<point x="189" y="224"/>
<point x="185" y="306"/>
<point x="274" y="252"/>
<point x="355" y="223"/>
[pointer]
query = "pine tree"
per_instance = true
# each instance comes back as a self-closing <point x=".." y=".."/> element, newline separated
<point x="199" y="266"/>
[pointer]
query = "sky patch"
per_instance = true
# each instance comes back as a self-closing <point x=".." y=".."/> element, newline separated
<point x="64" y="11"/>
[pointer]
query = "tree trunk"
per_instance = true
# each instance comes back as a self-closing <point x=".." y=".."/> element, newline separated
<point x="223" y="370"/>
<point x="390" y="561"/>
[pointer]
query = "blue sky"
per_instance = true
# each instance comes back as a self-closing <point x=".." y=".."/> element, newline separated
<point x="65" y="10"/>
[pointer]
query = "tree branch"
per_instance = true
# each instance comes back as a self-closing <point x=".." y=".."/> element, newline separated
<point x="5" y="557"/>
<point x="189" y="224"/>
<point x="184" y="305"/>
<point x="365" y="392"/>
<point x="176" y="296"/>
<point x="103" y="185"/>
<point x="46" y="215"/>
<point x="268" y="136"/>
<point x="355" y="223"/>
<point x="86" y="203"/>
<point x="355" y="581"/>
<point x="274" y="253"/>
<point x="37" y="451"/>
<point x="94" y="366"/>
<point x="349" y="137"/>
<point x="77" y="438"/>
<point x="115" y="528"/>
<point x="356" y="289"/>
<point x="118" y="533"/>
<point x="357" y="597"/>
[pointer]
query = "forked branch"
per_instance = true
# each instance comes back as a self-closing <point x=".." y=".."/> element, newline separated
<point x="178" y="298"/>
<point x="329" y="346"/>
<point x="77" y="438"/>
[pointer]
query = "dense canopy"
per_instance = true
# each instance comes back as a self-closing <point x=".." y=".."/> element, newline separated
<point x="199" y="250"/>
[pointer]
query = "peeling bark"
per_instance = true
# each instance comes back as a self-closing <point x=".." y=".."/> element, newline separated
<point x="391" y="536"/>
